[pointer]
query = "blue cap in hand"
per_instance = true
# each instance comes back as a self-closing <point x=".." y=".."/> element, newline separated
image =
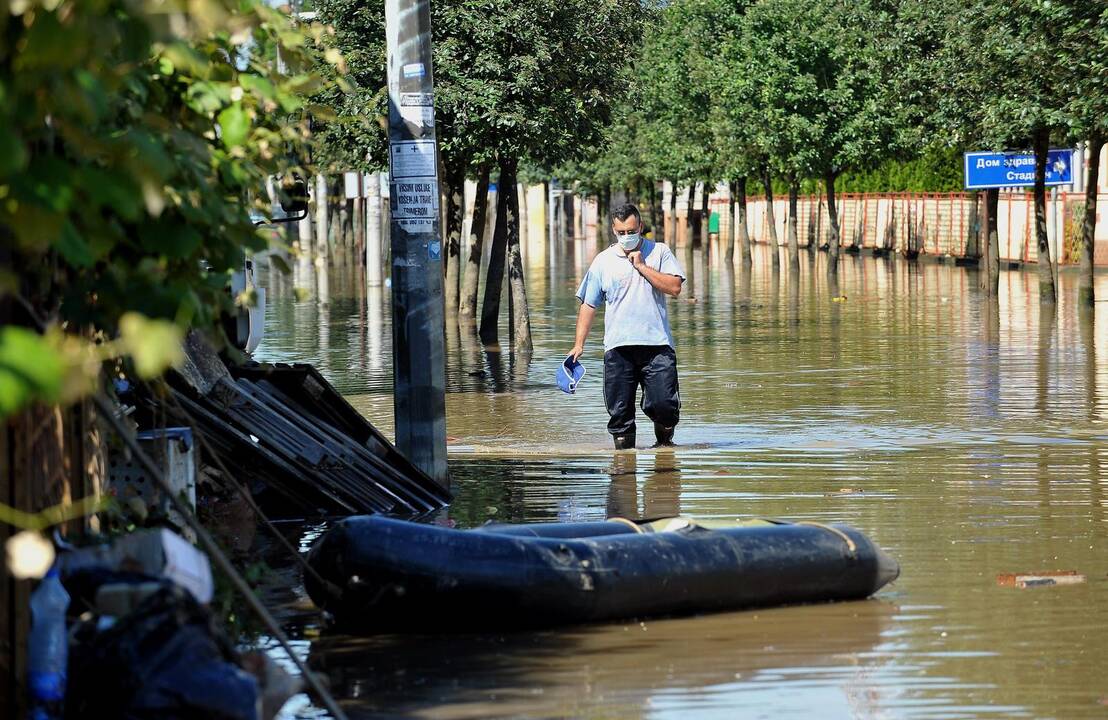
<point x="570" y="373"/>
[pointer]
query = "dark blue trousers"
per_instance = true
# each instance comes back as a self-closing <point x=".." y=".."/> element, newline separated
<point x="654" y="368"/>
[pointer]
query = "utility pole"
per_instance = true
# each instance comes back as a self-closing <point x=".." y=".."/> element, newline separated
<point x="418" y="342"/>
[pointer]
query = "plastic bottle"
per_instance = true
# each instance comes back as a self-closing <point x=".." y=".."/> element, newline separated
<point x="48" y="647"/>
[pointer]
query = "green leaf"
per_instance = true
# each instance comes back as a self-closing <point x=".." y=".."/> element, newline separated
<point x="258" y="85"/>
<point x="154" y="345"/>
<point x="29" y="369"/>
<point x="176" y="239"/>
<point x="208" y="97"/>
<point x="13" y="155"/>
<point x="112" y="191"/>
<point x="73" y="247"/>
<point x="234" y="125"/>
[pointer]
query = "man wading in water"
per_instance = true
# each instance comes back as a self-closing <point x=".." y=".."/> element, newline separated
<point x="633" y="277"/>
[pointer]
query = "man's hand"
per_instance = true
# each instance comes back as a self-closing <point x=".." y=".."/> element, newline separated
<point x="576" y="352"/>
<point x="660" y="281"/>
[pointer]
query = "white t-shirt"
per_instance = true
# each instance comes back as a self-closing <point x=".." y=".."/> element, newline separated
<point x="635" y="312"/>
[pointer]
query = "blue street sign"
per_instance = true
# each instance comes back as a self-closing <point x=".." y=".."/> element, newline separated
<point x="1005" y="169"/>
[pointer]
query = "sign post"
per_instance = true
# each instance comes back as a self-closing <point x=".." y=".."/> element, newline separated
<point x="419" y="395"/>
<point x="987" y="170"/>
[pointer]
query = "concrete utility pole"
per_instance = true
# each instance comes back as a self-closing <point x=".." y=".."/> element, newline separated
<point x="419" y="400"/>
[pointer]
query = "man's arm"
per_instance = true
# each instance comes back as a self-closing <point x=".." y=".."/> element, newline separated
<point x="584" y="323"/>
<point x="660" y="281"/>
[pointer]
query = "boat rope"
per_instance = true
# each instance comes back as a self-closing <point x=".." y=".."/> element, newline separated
<point x="846" y="538"/>
<point x="638" y="528"/>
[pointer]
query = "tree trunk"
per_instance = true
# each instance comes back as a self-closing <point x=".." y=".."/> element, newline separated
<point x="578" y="216"/>
<point x="343" y="207"/>
<point x="346" y="218"/>
<point x="521" y="319"/>
<point x="494" y="277"/>
<point x="794" y="242"/>
<point x="729" y="239"/>
<point x="467" y="303"/>
<point x="455" y="190"/>
<point x="524" y="220"/>
<point x="1085" y="294"/>
<point x="357" y="239"/>
<point x="689" y="227"/>
<point x="705" y="217"/>
<point x="656" y="212"/>
<point x="671" y="218"/>
<point x="550" y="230"/>
<point x="321" y="244"/>
<point x="603" y="212"/>
<point x="1046" y="267"/>
<point x="990" y="278"/>
<point x="744" y="231"/>
<point x="767" y="183"/>
<point x="973" y="227"/>
<point x="832" y="225"/>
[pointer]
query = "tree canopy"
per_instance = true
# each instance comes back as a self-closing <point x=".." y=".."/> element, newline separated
<point x="135" y="140"/>
<point x="530" y="80"/>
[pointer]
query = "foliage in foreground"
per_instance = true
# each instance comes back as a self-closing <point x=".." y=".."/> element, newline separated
<point x="135" y="139"/>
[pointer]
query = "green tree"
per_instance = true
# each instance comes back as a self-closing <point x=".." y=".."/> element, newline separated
<point x="677" y="132"/>
<point x="789" y="83"/>
<point x="1084" y="35"/>
<point x="1008" y="77"/>
<point x="532" y="81"/>
<point x="737" y="116"/>
<point x="133" y="146"/>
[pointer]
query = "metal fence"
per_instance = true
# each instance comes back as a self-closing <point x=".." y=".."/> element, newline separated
<point x="929" y="223"/>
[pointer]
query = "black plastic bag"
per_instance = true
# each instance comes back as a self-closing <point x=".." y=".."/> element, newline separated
<point x="165" y="660"/>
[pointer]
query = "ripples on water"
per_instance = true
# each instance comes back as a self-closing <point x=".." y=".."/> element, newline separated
<point x="966" y="438"/>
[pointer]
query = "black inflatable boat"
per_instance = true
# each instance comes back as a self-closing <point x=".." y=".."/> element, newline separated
<point x="393" y="575"/>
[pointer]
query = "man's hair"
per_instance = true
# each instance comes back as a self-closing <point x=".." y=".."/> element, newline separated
<point x="624" y="211"/>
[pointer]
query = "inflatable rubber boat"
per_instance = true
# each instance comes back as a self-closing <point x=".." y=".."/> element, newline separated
<point x="393" y="575"/>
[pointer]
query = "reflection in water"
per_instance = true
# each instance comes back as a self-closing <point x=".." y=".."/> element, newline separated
<point x="721" y="664"/>
<point x="965" y="436"/>
<point x="1042" y="367"/>
<point x="375" y="328"/>
<point x="745" y="276"/>
<point x="1087" y="329"/>
<point x="661" y="488"/>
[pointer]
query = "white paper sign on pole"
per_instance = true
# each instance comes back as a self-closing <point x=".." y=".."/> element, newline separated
<point x="413" y="159"/>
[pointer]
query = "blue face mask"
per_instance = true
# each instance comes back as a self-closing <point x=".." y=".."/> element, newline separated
<point x="629" y="242"/>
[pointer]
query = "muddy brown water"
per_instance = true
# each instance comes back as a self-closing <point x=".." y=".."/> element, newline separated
<point x="967" y="438"/>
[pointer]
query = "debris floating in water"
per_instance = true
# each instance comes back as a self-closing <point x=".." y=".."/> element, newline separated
<point x="1040" y="579"/>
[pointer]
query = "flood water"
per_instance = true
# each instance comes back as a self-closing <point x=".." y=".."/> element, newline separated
<point x="967" y="439"/>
